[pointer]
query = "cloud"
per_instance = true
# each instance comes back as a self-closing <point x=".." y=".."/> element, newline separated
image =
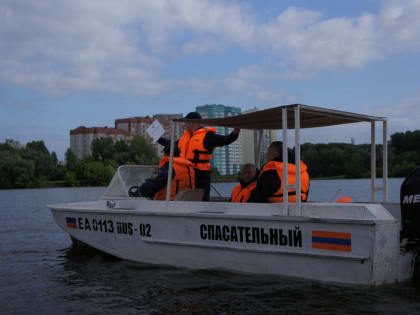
<point x="74" y="46"/>
<point x="126" y="46"/>
<point x="401" y="116"/>
<point x="314" y="43"/>
<point x="202" y="46"/>
<point x="404" y="115"/>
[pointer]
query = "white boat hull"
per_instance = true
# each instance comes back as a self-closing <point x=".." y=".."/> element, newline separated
<point x="352" y="244"/>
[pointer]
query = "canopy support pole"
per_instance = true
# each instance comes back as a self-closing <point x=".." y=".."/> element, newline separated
<point x="372" y="162"/>
<point x="385" y="161"/>
<point x="171" y="159"/>
<point x="285" y="161"/>
<point x="297" y="160"/>
<point x="258" y="157"/>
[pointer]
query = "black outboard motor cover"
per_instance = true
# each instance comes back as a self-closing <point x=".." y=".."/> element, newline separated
<point x="410" y="206"/>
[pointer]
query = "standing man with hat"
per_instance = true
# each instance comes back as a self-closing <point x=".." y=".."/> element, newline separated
<point x="197" y="145"/>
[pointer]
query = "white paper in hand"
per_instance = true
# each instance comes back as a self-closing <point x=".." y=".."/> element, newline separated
<point x="155" y="130"/>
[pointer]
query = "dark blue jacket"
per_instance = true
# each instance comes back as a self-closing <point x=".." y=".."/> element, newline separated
<point x="153" y="185"/>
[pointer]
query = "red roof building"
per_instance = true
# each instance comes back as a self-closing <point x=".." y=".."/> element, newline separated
<point x="81" y="138"/>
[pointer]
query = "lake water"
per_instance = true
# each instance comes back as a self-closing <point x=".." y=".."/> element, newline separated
<point x="41" y="273"/>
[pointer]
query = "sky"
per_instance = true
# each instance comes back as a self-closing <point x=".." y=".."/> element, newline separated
<point x="71" y="63"/>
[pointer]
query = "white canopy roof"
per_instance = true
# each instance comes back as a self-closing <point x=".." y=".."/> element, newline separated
<point x="310" y="117"/>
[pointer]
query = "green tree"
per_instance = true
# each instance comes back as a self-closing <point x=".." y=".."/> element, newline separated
<point x="59" y="172"/>
<point x="353" y="167"/>
<point x="403" y="163"/>
<point x="404" y="152"/>
<point x="70" y="179"/>
<point x="121" y="146"/>
<point x="37" y="146"/>
<point x="102" y="149"/>
<point x="37" y="152"/>
<point x="121" y="153"/>
<point x="93" y="173"/>
<point x="15" y="172"/>
<point x="54" y="158"/>
<point x="142" y="152"/>
<point x="71" y="159"/>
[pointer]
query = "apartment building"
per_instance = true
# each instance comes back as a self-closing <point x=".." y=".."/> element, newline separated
<point x="250" y="138"/>
<point x="137" y="126"/>
<point x="227" y="159"/>
<point x="81" y="138"/>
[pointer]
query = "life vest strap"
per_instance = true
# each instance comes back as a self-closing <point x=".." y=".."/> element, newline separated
<point x="203" y="152"/>
<point x="196" y="160"/>
<point x="189" y="176"/>
<point x="203" y="161"/>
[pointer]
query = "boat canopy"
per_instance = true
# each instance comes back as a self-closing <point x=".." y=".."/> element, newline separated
<point x="310" y="117"/>
<point x="297" y="116"/>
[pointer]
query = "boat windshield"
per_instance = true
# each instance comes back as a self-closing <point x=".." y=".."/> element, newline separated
<point x="127" y="176"/>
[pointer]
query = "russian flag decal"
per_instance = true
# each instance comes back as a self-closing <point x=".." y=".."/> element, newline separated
<point x="71" y="222"/>
<point x="331" y="240"/>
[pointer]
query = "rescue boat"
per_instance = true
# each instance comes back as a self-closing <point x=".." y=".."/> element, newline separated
<point x="347" y="243"/>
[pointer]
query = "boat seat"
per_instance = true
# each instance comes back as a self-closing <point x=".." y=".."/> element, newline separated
<point x="190" y="195"/>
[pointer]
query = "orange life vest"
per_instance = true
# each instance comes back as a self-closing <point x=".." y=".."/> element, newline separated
<point x="291" y="176"/>
<point x="242" y="194"/>
<point x="191" y="147"/>
<point x="184" y="178"/>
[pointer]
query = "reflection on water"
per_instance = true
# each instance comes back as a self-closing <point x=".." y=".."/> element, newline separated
<point x="42" y="272"/>
<point x="107" y="285"/>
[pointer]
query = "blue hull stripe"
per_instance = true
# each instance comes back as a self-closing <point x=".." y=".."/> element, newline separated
<point x="327" y="240"/>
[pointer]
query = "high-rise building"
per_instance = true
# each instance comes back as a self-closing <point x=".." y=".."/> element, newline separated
<point x="250" y="140"/>
<point x="227" y="159"/>
<point x="137" y="126"/>
<point x="81" y="138"/>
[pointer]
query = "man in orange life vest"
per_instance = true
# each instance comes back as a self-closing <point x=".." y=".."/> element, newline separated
<point x="197" y="145"/>
<point x="270" y="181"/>
<point x="183" y="178"/>
<point x="242" y="191"/>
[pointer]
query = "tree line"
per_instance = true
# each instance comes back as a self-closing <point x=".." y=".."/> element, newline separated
<point x="353" y="161"/>
<point x="35" y="166"/>
<point x="98" y="168"/>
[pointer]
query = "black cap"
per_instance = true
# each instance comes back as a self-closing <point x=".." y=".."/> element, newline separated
<point x="193" y="115"/>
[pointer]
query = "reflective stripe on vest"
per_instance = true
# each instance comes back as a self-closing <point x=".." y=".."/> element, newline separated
<point x="240" y="194"/>
<point x="192" y="148"/>
<point x="291" y="176"/>
<point x="184" y="178"/>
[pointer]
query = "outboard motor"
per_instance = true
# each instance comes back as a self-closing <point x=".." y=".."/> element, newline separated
<point x="410" y="218"/>
<point x="410" y="208"/>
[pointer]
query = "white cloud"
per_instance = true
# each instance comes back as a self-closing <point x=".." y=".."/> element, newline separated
<point x="257" y="91"/>
<point x="311" y="43"/>
<point x="202" y="46"/>
<point x="403" y="115"/>
<point x="74" y="46"/>
<point x="122" y="46"/>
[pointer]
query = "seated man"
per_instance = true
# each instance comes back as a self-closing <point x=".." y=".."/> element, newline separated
<point x="242" y="191"/>
<point x="270" y="181"/>
<point x="183" y="178"/>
